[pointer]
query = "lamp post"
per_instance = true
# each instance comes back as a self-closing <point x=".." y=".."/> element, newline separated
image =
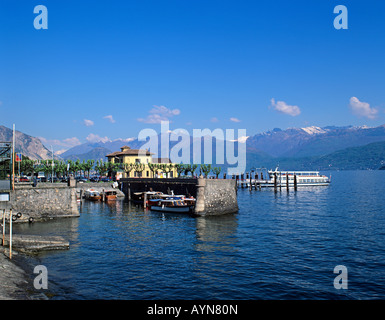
<point x="52" y="164"/>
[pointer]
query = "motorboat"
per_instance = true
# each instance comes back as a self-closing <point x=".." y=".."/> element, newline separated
<point x="172" y="206"/>
<point x="92" y="194"/>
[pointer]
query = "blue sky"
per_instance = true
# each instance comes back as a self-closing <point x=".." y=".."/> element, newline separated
<point x="255" y="65"/>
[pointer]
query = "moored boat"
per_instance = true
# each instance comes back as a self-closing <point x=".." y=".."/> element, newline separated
<point x="304" y="178"/>
<point x="172" y="206"/>
<point x="92" y="194"/>
<point x="110" y="195"/>
<point x="288" y="178"/>
<point x="138" y="197"/>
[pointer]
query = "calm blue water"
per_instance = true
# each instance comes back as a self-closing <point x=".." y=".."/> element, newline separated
<point x="278" y="246"/>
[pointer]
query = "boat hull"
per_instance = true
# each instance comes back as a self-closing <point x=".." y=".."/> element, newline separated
<point x="176" y="209"/>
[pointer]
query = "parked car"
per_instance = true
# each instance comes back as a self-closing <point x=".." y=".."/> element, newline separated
<point x="24" y="179"/>
<point x="105" y="179"/>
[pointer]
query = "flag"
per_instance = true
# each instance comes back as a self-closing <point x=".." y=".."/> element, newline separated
<point x="18" y="157"/>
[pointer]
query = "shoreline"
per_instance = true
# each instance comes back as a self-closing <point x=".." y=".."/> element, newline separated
<point x="15" y="282"/>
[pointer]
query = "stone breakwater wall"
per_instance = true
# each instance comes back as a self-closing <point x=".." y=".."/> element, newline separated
<point x="43" y="202"/>
<point x="214" y="196"/>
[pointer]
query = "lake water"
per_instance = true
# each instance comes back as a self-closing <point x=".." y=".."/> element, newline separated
<point x="278" y="246"/>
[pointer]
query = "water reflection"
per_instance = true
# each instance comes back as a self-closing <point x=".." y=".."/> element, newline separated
<point x="216" y="233"/>
<point x="279" y="246"/>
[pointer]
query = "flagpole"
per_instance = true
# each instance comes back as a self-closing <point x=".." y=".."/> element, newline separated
<point x="13" y="159"/>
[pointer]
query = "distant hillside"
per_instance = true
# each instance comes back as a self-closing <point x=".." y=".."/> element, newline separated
<point x="310" y="148"/>
<point x="313" y="141"/>
<point x="94" y="154"/>
<point x="89" y="146"/>
<point x="26" y="144"/>
<point x="368" y="157"/>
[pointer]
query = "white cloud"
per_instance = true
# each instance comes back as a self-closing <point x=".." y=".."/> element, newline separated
<point x="235" y="119"/>
<point x="362" y="109"/>
<point x="284" y="108"/>
<point x="95" y="138"/>
<point x="159" y="113"/>
<point x="88" y="123"/>
<point x="125" y="140"/>
<point x="110" y="118"/>
<point x="68" y="143"/>
<point x="241" y="139"/>
<point x="214" y="119"/>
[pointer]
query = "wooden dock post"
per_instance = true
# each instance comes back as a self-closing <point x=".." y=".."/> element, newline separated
<point x="295" y="182"/>
<point x="287" y="182"/>
<point x="275" y="182"/>
<point x="145" y="200"/>
<point x="3" y="227"/>
<point x="129" y="192"/>
<point x="10" y="234"/>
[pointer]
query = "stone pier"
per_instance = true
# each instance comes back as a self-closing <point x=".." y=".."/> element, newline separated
<point x="43" y="202"/>
<point x="214" y="196"/>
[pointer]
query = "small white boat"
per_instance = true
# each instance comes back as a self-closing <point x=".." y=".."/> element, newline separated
<point x="171" y="205"/>
<point x="92" y="194"/>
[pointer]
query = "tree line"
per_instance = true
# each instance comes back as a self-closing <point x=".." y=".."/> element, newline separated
<point x="61" y="168"/>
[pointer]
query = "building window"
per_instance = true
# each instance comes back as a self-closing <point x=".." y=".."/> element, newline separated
<point x="137" y="160"/>
<point x="147" y="173"/>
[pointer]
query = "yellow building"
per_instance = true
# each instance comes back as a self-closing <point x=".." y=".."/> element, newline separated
<point x="140" y="163"/>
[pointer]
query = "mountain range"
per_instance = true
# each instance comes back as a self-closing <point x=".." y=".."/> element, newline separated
<point x="309" y="148"/>
<point x="26" y="144"/>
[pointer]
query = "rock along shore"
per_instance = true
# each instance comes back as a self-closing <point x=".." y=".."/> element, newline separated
<point x="15" y="283"/>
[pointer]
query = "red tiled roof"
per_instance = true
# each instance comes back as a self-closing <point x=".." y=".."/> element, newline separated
<point x="129" y="152"/>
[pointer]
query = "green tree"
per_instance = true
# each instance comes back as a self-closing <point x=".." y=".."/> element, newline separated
<point x="217" y="171"/>
<point x="60" y="168"/>
<point x="206" y="168"/>
<point x="88" y="166"/>
<point x="139" y="167"/>
<point x="27" y="166"/>
<point x="180" y="168"/>
<point x="153" y="168"/>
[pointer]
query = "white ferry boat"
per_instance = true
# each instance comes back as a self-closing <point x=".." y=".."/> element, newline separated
<point x="266" y="178"/>
<point x="304" y="178"/>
